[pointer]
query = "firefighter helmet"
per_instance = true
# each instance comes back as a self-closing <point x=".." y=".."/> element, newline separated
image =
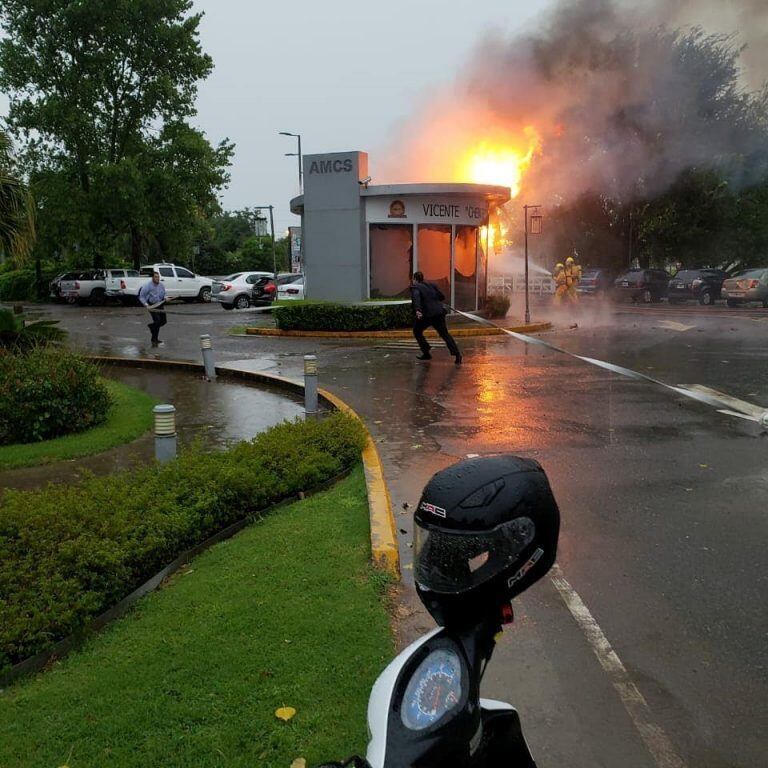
<point x="570" y="260"/>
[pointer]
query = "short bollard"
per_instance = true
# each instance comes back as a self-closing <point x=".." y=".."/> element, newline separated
<point x="310" y="386"/>
<point x="207" y="347"/>
<point x="165" y="432"/>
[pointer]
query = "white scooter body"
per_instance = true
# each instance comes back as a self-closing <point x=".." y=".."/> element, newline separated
<point x="385" y="748"/>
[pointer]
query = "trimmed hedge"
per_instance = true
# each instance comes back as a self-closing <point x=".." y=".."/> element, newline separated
<point x="343" y="317"/>
<point x="48" y="392"/>
<point x="67" y="553"/>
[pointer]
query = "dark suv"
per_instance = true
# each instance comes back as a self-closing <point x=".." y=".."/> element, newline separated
<point x="645" y="285"/>
<point x="705" y="285"/>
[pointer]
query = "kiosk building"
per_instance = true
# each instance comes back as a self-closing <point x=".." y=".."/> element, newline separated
<point x="362" y="241"/>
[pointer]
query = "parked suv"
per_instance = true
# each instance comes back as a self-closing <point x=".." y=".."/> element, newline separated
<point x="748" y="285"/>
<point x="645" y="285"/>
<point x="705" y="285"/>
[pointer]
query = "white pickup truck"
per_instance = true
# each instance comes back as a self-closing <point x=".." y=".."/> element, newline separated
<point x="178" y="281"/>
<point x="89" y="286"/>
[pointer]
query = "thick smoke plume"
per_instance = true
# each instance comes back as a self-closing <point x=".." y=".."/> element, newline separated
<point x="620" y="100"/>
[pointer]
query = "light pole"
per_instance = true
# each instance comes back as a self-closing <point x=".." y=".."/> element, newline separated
<point x="296" y="154"/>
<point x="272" y="235"/>
<point x="535" y="231"/>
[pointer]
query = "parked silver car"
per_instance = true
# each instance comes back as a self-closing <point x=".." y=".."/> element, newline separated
<point x="747" y="286"/>
<point x="234" y="291"/>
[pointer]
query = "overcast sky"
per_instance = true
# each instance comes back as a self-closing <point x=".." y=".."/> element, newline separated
<point x="343" y="73"/>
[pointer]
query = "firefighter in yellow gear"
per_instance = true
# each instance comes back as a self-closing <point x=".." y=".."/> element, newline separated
<point x="572" y="278"/>
<point x="561" y="287"/>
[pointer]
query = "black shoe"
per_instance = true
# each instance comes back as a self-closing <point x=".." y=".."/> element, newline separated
<point x="427" y="356"/>
<point x="155" y="343"/>
<point x="459" y="358"/>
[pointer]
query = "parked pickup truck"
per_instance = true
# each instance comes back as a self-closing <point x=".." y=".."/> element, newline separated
<point x="179" y="283"/>
<point x="89" y="286"/>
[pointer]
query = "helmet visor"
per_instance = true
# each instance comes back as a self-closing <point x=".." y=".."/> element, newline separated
<point x="452" y="562"/>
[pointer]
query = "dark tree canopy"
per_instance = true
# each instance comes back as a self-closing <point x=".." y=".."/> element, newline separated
<point x="101" y="91"/>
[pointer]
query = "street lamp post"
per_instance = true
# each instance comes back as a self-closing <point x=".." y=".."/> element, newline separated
<point x="537" y="231"/>
<point x="272" y="235"/>
<point x="296" y="154"/>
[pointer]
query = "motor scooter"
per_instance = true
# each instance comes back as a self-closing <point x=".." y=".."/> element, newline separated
<point x="425" y="709"/>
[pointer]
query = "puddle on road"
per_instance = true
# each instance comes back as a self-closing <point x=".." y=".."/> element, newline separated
<point x="216" y="413"/>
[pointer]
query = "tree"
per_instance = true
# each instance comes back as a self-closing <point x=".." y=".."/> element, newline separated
<point x="692" y="224"/>
<point x="17" y="222"/>
<point x="100" y="94"/>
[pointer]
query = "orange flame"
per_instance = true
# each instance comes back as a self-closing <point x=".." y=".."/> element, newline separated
<point x="498" y="162"/>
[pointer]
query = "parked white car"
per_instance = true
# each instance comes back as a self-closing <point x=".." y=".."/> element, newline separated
<point x="235" y="291"/>
<point x="89" y="286"/>
<point x="179" y="283"/>
<point x="291" y="291"/>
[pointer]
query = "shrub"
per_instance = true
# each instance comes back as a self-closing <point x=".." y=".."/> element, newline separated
<point x="48" y="392"/>
<point x="496" y="305"/>
<point x="67" y="553"/>
<point x="20" y="285"/>
<point x="17" y="285"/>
<point x="18" y="335"/>
<point x="343" y="317"/>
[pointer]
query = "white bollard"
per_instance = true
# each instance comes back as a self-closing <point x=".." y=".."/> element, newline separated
<point x="207" y="346"/>
<point x="310" y="386"/>
<point x="165" y="432"/>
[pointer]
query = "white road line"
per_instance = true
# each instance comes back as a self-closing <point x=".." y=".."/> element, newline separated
<point x="674" y="326"/>
<point x="654" y="737"/>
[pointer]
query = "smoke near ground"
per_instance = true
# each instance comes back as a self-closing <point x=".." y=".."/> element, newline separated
<point x="617" y="99"/>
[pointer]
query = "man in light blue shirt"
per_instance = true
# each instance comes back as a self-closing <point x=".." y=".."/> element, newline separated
<point x="152" y="294"/>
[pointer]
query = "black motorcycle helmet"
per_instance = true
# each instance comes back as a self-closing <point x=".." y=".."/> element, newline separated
<point x="485" y="530"/>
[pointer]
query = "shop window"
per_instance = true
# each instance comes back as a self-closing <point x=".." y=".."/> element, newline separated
<point x="465" y="268"/>
<point x="391" y="249"/>
<point x="435" y="255"/>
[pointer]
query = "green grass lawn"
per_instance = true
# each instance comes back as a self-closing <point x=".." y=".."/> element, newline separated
<point x="129" y="417"/>
<point x="287" y="613"/>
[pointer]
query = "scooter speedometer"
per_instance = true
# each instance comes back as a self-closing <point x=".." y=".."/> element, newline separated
<point x="433" y="690"/>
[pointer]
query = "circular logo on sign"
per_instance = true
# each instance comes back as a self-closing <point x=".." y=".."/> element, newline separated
<point x="397" y="210"/>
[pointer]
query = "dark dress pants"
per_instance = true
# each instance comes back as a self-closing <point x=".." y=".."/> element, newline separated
<point x="438" y="323"/>
<point x="158" y="321"/>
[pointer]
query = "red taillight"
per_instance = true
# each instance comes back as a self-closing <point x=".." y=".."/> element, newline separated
<point x="122" y="285"/>
<point x="269" y="288"/>
<point x="292" y="291"/>
<point x="225" y="287"/>
<point x="77" y="286"/>
<point x="754" y="283"/>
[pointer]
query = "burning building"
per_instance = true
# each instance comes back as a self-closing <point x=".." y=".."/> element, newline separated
<point x="363" y="241"/>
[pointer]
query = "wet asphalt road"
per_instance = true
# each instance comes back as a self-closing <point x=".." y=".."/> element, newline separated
<point x="663" y="507"/>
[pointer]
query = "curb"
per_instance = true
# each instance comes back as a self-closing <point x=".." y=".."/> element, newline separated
<point x="384" y="549"/>
<point x="459" y="333"/>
